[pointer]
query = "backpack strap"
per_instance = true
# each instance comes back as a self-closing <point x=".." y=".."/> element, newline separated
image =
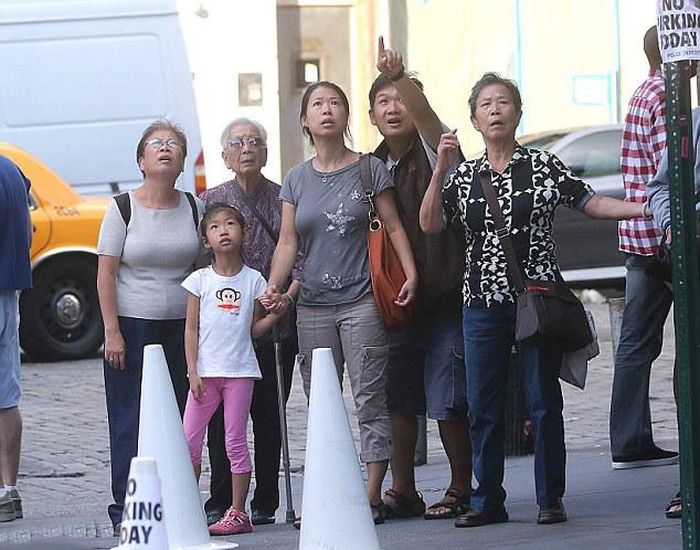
<point x="193" y="206"/>
<point x="124" y="205"/>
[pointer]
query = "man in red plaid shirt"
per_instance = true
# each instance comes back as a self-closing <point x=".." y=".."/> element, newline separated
<point x="647" y="299"/>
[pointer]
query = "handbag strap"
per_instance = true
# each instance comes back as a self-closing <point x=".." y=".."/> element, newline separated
<point x="375" y="223"/>
<point x="502" y="232"/>
<point x="274" y="235"/>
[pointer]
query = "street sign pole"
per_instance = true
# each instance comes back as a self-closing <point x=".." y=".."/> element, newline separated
<point x="686" y="290"/>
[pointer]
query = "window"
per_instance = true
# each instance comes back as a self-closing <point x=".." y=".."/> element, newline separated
<point x="308" y="72"/>
<point x="594" y="155"/>
<point x="250" y="91"/>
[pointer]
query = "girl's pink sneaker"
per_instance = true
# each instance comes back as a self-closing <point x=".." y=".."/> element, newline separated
<point x="234" y="522"/>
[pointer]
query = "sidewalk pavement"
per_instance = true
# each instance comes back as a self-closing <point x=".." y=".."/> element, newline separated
<point x="64" y="477"/>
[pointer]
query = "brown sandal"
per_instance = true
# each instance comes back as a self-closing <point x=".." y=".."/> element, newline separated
<point x="453" y="504"/>
<point x="402" y="505"/>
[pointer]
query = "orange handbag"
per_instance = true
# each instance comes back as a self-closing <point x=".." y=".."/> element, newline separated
<point x="385" y="268"/>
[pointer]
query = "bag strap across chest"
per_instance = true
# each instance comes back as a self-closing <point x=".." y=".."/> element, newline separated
<point x="502" y="232"/>
<point x="274" y="235"/>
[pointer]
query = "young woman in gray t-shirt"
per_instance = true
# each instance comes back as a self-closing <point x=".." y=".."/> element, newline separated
<point x="324" y="212"/>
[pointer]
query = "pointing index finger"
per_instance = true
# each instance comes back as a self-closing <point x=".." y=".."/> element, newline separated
<point x="381" y="45"/>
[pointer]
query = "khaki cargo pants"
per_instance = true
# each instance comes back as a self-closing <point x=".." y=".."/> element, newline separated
<point x="357" y="336"/>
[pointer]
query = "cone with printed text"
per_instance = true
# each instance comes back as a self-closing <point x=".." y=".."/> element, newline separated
<point x="162" y="437"/>
<point x="143" y="524"/>
<point x="331" y="461"/>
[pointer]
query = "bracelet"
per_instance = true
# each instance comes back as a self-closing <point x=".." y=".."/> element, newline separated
<point x="291" y="300"/>
<point x="646" y="213"/>
<point x="397" y="76"/>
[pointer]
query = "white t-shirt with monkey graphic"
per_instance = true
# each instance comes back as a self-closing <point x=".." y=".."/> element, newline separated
<point x="226" y="308"/>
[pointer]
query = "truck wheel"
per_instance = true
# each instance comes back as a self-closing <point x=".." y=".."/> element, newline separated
<point x="60" y="316"/>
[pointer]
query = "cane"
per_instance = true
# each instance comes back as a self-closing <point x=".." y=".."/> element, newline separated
<point x="290" y="515"/>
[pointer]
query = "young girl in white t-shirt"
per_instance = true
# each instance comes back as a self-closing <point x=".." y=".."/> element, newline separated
<point x="223" y="317"/>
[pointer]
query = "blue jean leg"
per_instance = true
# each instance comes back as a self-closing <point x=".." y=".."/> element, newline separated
<point x="539" y="369"/>
<point x="488" y="340"/>
<point x="647" y="303"/>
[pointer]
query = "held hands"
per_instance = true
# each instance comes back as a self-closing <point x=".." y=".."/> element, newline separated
<point x="447" y="150"/>
<point x="274" y="301"/>
<point x="389" y="62"/>
<point x="407" y="293"/>
<point x="114" y="350"/>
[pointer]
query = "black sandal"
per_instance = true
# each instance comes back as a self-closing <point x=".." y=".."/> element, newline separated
<point x="453" y="504"/>
<point x="379" y="513"/>
<point x="402" y="505"/>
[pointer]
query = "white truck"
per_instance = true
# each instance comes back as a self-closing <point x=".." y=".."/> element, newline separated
<point x="81" y="79"/>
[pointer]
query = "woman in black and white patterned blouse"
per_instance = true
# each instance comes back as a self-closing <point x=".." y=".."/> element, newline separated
<point x="529" y="184"/>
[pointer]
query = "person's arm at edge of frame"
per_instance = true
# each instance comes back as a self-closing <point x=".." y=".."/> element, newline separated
<point x="431" y="216"/>
<point x="107" y="267"/>
<point x="390" y="64"/>
<point x="192" y="345"/>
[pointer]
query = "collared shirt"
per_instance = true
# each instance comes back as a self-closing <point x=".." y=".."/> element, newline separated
<point x="529" y="189"/>
<point x="643" y="143"/>
<point x="15" y="228"/>
<point x="258" y="244"/>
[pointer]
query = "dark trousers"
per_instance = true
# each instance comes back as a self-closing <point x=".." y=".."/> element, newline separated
<point x="266" y="431"/>
<point x="123" y="393"/>
<point x="488" y="340"/>
<point x="647" y="303"/>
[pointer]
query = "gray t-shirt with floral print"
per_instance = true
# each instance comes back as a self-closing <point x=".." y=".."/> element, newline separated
<point x="331" y="220"/>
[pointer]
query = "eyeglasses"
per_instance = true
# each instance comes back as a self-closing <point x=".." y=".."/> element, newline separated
<point x="157" y="143"/>
<point x="239" y="142"/>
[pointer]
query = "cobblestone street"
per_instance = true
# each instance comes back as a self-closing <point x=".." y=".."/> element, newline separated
<point x="65" y="460"/>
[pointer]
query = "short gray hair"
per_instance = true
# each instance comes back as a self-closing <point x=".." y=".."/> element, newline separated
<point x="494" y="78"/>
<point x="238" y="122"/>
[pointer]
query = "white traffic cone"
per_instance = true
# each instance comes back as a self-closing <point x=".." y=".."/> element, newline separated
<point x="162" y="437"/>
<point x="332" y="475"/>
<point x="143" y="524"/>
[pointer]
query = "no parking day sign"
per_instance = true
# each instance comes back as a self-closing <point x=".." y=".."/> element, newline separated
<point x="678" y="24"/>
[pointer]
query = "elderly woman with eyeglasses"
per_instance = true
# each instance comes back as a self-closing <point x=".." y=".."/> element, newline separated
<point x="148" y="244"/>
<point x="244" y="151"/>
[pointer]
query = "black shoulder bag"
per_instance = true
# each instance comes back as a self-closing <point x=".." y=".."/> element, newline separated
<point x="547" y="312"/>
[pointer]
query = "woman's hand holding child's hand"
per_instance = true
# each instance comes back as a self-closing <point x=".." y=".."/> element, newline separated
<point x="273" y="301"/>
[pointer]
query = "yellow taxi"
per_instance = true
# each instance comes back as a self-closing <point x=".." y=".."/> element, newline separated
<point x="60" y="316"/>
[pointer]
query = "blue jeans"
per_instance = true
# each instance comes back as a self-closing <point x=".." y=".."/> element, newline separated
<point x="123" y="393"/>
<point x="647" y="303"/>
<point x="488" y="341"/>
